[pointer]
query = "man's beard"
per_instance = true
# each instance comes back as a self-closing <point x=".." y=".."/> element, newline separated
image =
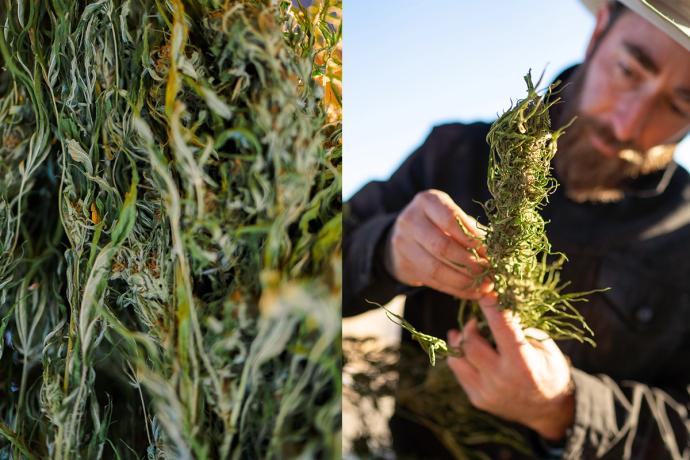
<point x="587" y="174"/>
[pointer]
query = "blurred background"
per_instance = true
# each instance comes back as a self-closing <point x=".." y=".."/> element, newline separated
<point x="410" y="65"/>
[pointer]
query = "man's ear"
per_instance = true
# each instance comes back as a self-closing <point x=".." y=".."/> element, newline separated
<point x="602" y="21"/>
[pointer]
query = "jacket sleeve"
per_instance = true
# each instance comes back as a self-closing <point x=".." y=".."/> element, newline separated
<point x="628" y="420"/>
<point x="370" y="214"/>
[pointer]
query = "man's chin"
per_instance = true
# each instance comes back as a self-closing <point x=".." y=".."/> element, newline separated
<point x="595" y="195"/>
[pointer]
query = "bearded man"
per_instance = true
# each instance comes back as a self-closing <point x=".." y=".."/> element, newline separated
<point x="621" y="214"/>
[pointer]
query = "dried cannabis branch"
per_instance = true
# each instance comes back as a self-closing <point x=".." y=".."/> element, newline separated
<point x="525" y="277"/>
<point x="520" y="181"/>
<point x="169" y="229"/>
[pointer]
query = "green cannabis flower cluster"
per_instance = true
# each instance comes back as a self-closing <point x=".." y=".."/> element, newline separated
<point x="169" y="230"/>
<point x="518" y="250"/>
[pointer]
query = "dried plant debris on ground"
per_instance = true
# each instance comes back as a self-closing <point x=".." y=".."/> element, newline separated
<point x="373" y="375"/>
<point x="170" y="223"/>
<point x="369" y="382"/>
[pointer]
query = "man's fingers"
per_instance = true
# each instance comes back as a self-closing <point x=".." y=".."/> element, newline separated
<point x="445" y="214"/>
<point x="447" y="249"/>
<point x="428" y="247"/>
<point x="454" y="338"/>
<point x="465" y="373"/>
<point x="540" y="339"/>
<point x="438" y="275"/>
<point x="477" y="349"/>
<point x="456" y="284"/>
<point x="453" y="269"/>
<point x="504" y="325"/>
<point x="537" y="335"/>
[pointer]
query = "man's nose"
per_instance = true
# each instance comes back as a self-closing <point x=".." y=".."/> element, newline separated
<point x="630" y="118"/>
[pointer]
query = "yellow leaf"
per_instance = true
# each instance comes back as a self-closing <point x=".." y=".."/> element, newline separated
<point x="95" y="218"/>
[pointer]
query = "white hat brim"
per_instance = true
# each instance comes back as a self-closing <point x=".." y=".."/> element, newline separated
<point x="672" y="17"/>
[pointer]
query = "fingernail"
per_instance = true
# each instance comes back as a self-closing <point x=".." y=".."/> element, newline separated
<point x="452" y="335"/>
<point x="488" y="299"/>
<point x="487" y="286"/>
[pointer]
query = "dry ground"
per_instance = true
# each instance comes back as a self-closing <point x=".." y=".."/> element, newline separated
<point x="386" y="333"/>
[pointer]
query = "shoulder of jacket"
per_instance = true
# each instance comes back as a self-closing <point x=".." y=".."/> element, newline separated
<point x="458" y="129"/>
<point x="459" y="138"/>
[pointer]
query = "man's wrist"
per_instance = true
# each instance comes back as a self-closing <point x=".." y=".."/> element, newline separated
<point x="554" y="425"/>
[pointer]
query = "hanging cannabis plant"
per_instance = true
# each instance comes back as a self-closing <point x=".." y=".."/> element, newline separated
<point x="169" y="229"/>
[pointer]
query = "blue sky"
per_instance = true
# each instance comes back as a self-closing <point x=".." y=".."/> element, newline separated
<point x="411" y="64"/>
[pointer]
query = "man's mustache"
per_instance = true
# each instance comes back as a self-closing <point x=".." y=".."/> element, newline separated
<point x="605" y="132"/>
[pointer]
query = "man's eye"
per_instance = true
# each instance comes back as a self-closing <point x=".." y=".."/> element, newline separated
<point x="678" y="111"/>
<point x="625" y="70"/>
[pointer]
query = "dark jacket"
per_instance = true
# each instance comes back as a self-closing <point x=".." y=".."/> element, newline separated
<point x="632" y="389"/>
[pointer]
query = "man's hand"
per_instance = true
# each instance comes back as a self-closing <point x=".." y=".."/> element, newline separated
<point x="525" y="380"/>
<point x="427" y="247"/>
